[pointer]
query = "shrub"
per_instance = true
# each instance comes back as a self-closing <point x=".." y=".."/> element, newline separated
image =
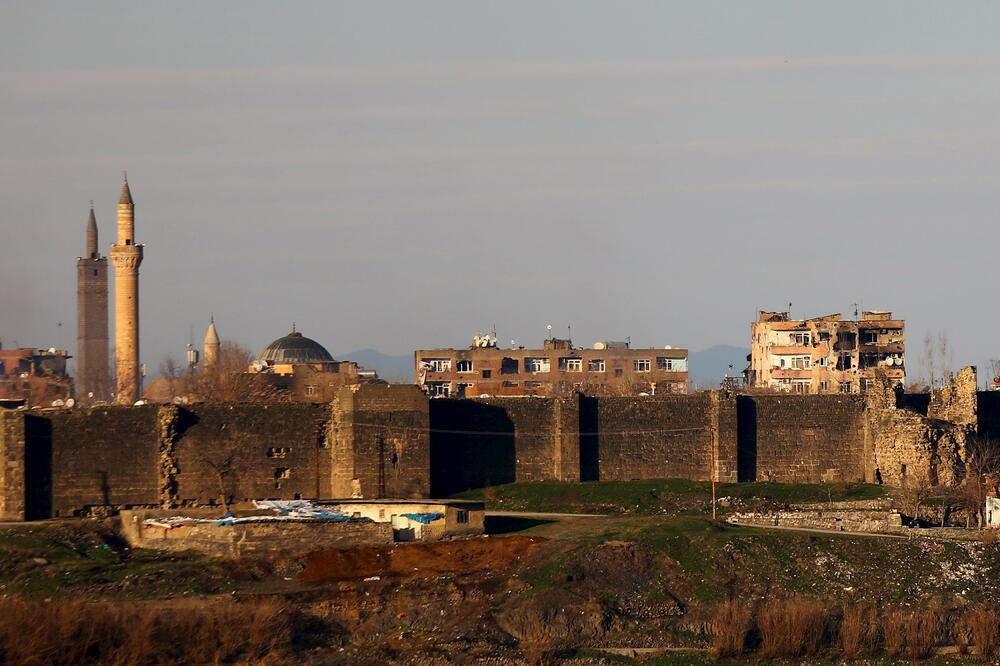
<point x="982" y="623"/>
<point x="791" y="628"/>
<point x="857" y="635"/>
<point x="730" y="629"/>
<point x="75" y="631"/>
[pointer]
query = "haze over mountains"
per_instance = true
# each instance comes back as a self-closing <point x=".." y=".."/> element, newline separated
<point x="707" y="367"/>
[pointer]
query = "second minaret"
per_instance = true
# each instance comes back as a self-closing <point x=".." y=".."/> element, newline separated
<point x="126" y="256"/>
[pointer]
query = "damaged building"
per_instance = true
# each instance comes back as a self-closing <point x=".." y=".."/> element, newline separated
<point x="557" y="369"/>
<point x="826" y="354"/>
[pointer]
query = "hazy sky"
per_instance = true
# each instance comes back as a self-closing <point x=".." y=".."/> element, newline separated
<point x="400" y="174"/>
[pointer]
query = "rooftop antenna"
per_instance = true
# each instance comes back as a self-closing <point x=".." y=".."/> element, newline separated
<point x="548" y="327"/>
<point x="855" y="311"/>
<point x="59" y="336"/>
<point x="293" y="327"/>
<point x="569" y="333"/>
<point x="789" y="309"/>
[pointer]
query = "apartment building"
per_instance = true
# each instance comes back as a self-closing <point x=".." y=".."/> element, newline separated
<point x="827" y="354"/>
<point x="558" y="368"/>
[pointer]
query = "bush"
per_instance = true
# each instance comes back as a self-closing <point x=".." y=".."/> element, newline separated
<point x="730" y="629"/>
<point x="982" y="623"/>
<point x="74" y="631"/>
<point x="912" y="634"/>
<point x="857" y="635"/>
<point x="791" y="628"/>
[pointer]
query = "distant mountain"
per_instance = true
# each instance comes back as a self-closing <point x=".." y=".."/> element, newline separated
<point x="390" y="368"/>
<point x="708" y="366"/>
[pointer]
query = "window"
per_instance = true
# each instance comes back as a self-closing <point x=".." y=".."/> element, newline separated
<point x="845" y="387"/>
<point x="641" y="365"/>
<point x="438" y="364"/>
<point x="800" y="387"/>
<point x="537" y="364"/>
<point x="869" y="337"/>
<point x="671" y="364"/>
<point x="464" y="366"/>
<point x="487" y="374"/>
<point x="866" y="384"/>
<point x="508" y="366"/>
<point x="571" y="364"/>
<point x="801" y="362"/>
<point x="618" y="372"/>
<point x="462" y="516"/>
<point x="531" y="384"/>
<point x="442" y="389"/>
<point x="800" y="339"/>
<point x="310" y="389"/>
<point x="595" y="365"/>
<point x="463" y="389"/>
<point x="824" y="386"/>
<point x="844" y="361"/>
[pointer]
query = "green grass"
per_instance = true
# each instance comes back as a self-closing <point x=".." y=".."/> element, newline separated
<point x="658" y="496"/>
<point x="47" y="559"/>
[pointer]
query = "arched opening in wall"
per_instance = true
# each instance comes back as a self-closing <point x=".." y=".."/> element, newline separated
<point x="37" y="468"/>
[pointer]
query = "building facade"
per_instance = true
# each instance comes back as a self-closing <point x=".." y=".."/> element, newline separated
<point x="827" y="354"/>
<point x="126" y="256"/>
<point x="36" y="376"/>
<point x="558" y="368"/>
<point x="93" y="376"/>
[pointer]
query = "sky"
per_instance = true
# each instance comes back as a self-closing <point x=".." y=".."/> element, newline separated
<point x="400" y="175"/>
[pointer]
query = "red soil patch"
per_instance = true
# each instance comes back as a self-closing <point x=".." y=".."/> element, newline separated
<point x="417" y="560"/>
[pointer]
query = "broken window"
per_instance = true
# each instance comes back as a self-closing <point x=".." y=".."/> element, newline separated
<point x="844" y="361"/>
<point x="800" y="339"/>
<point x="464" y="366"/>
<point x="666" y="364"/>
<point x="508" y="366"/>
<point x="439" y="389"/>
<point x="571" y="364"/>
<point x="595" y="365"/>
<point x="618" y="372"/>
<point x="537" y="364"/>
<point x="869" y="337"/>
<point x="642" y="365"/>
<point x="845" y="341"/>
<point x="438" y="364"/>
<point x="487" y="374"/>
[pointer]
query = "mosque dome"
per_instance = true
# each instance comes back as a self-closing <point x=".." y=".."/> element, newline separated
<point x="294" y="348"/>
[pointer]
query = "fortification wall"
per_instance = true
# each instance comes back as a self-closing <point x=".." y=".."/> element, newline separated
<point x="247" y="451"/>
<point x="104" y="456"/>
<point x="11" y="465"/>
<point x="802" y="438"/>
<point x="491" y="441"/>
<point x="381" y="443"/>
<point x="654" y="437"/>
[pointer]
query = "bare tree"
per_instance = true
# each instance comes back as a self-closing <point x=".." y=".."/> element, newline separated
<point x="230" y="461"/>
<point x="229" y="380"/>
<point x="982" y="473"/>
<point x="929" y="359"/>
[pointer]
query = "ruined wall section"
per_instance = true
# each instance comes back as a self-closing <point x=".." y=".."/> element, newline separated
<point x="243" y="451"/>
<point x="807" y="438"/>
<point x="957" y="401"/>
<point x="724" y="422"/>
<point x="656" y="437"/>
<point x="381" y="442"/>
<point x="11" y="465"/>
<point x="99" y="457"/>
<point x="906" y="448"/>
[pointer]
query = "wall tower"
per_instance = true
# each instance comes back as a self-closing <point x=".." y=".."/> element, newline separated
<point x="126" y="256"/>
<point x="93" y="379"/>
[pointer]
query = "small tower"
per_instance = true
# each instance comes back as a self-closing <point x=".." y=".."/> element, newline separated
<point x="93" y="378"/>
<point x="126" y="256"/>
<point x="211" y="345"/>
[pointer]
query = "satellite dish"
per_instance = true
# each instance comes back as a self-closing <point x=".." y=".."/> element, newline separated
<point x="549" y="327"/>
<point x="600" y="345"/>
<point x="70" y="402"/>
<point x="58" y="403"/>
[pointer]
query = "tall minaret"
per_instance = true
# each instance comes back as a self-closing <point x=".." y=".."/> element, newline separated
<point x="126" y="256"/>
<point x="93" y="381"/>
<point x="211" y="345"/>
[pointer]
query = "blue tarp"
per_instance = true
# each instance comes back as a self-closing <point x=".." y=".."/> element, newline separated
<point x="424" y="518"/>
